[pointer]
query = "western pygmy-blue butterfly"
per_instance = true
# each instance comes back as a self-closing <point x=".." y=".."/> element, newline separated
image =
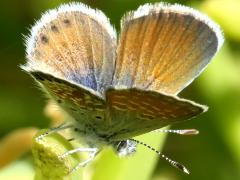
<point x="116" y="88"/>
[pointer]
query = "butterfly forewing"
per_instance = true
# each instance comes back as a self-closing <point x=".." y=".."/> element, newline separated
<point x="163" y="48"/>
<point x="134" y="111"/>
<point x="84" y="105"/>
<point x="75" y="43"/>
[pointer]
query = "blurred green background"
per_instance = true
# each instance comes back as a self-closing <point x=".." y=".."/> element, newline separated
<point x="213" y="154"/>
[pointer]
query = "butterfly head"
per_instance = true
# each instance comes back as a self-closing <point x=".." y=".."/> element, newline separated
<point x="125" y="147"/>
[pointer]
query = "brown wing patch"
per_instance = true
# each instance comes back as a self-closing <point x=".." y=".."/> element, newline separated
<point x="134" y="112"/>
<point x="67" y="91"/>
<point x="86" y="107"/>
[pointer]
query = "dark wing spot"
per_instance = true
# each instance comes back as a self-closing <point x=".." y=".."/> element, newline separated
<point x="54" y="28"/>
<point x="44" y="39"/>
<point x="66" y="22"/>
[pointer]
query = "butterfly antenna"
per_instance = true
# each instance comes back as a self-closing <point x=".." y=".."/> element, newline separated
<point x="181" y="131"/>
<point x="173" y="163"/>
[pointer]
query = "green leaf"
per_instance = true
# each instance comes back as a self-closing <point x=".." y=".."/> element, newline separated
<point x="139" y="166"/>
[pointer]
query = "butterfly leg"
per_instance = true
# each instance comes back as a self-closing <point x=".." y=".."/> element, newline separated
<point x="92" y="153"/>
<point x="54" y="130"/>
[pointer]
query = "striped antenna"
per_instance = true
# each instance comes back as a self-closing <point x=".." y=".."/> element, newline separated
<point x="180" y="131"/>
<point x="173" y="163"/>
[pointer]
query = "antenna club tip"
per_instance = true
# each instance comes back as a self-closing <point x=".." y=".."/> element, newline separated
<point x="185" y="170"/>
<point x="182" y="168"/>
<point x="190" y="132"/>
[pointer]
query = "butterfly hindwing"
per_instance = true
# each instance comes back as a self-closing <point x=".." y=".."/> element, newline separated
<point x="85" y="106"/>
<point x="164" y="47"/>
<point x="134" y="111"/>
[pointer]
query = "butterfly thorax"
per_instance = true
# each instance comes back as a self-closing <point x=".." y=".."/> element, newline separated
<point x="88" y="135"/>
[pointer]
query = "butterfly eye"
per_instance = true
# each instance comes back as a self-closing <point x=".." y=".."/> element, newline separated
<point x="121" y="145"/>
<point x="126" y="147"/>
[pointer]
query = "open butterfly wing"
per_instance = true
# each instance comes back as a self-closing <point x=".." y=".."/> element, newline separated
<point x="74" y="43"/>
<point x="134" y="111"/>
<point x="164" y="47"/>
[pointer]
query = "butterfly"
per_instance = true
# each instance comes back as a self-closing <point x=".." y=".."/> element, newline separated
<point x="116" y="88"/>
